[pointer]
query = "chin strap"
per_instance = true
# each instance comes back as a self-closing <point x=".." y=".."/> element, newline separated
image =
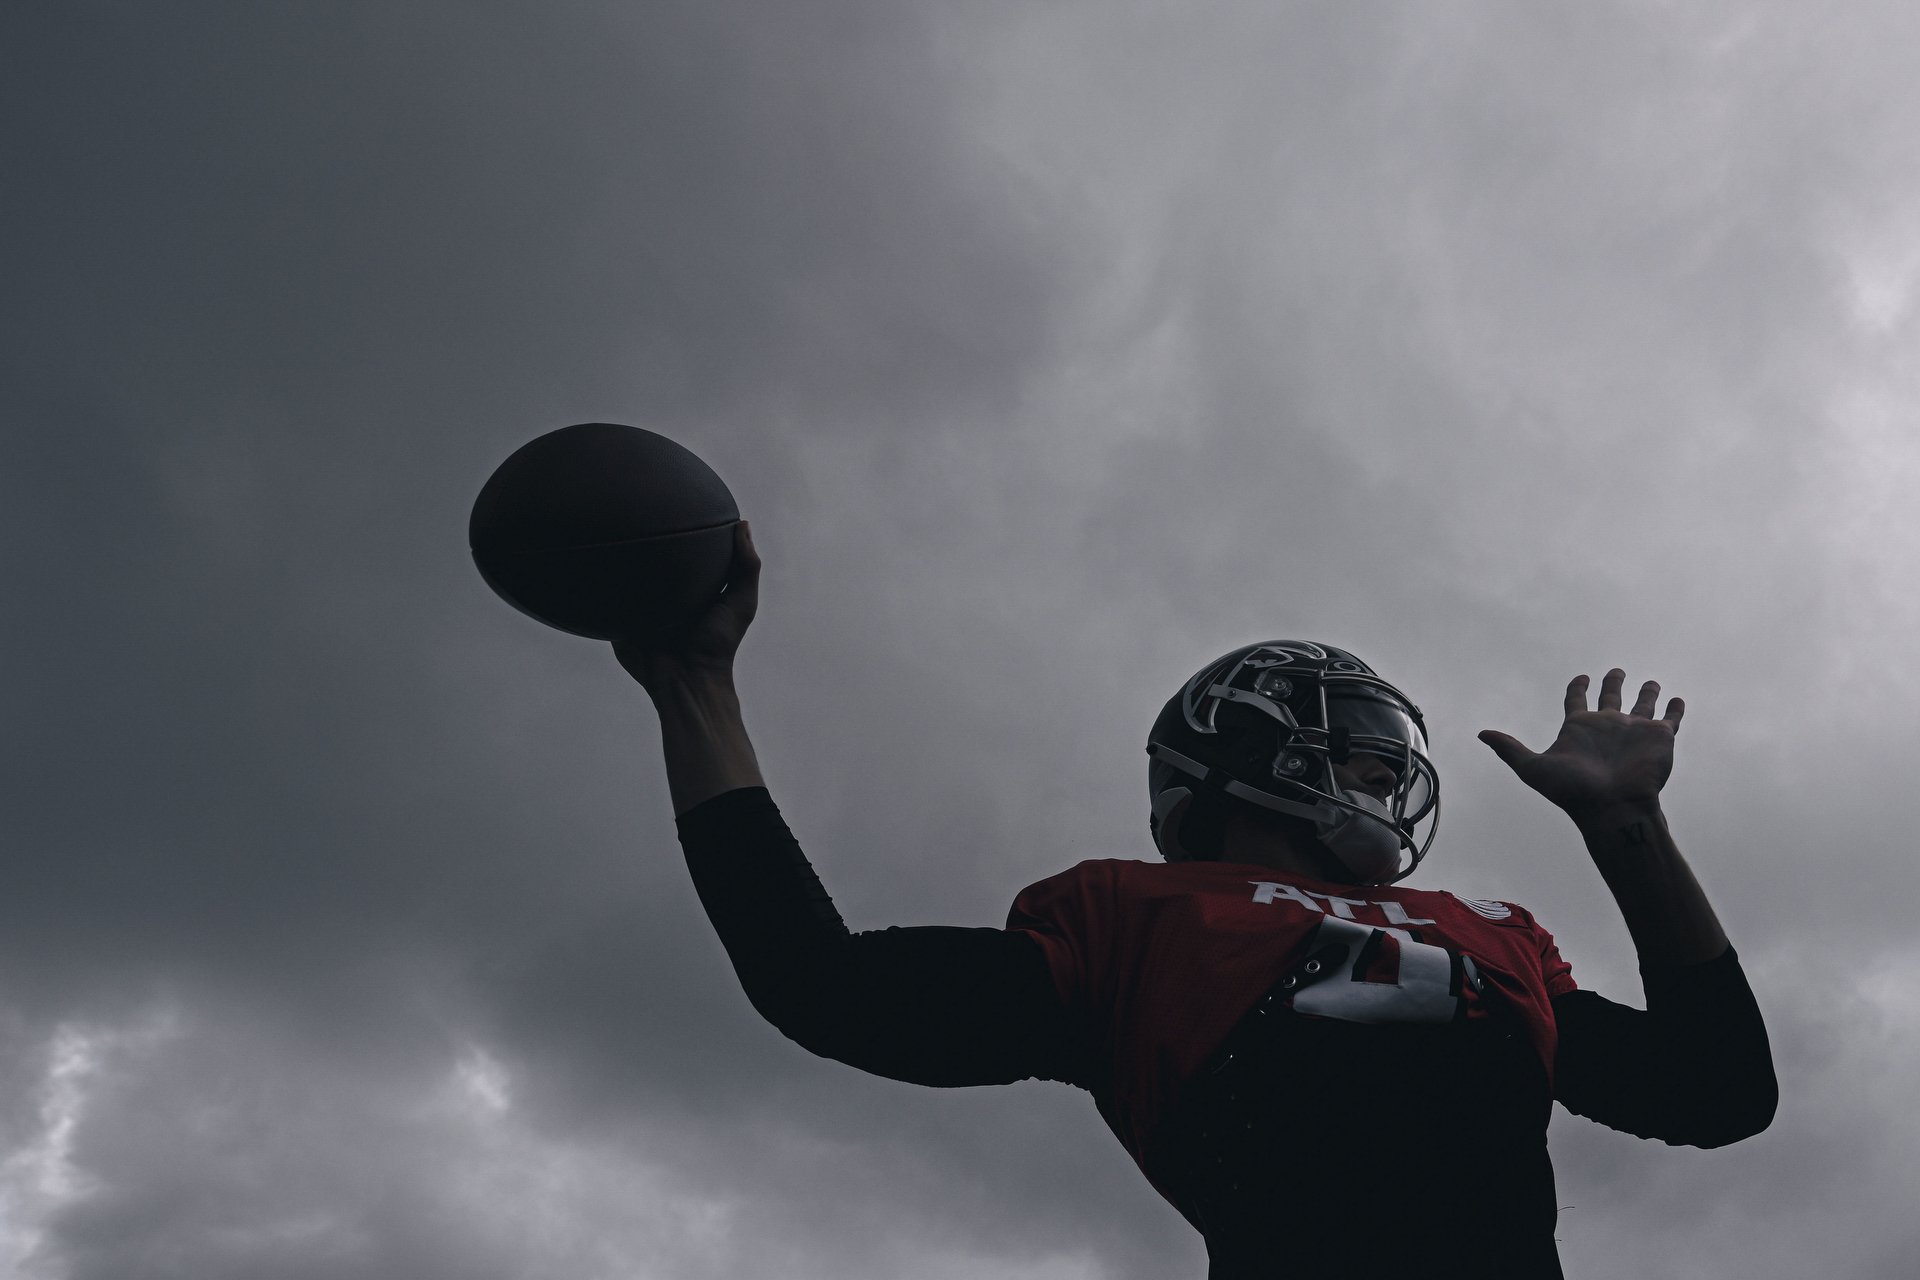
<point x="1366" y="846"/>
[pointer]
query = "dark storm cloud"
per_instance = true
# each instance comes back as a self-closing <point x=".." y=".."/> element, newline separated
<point x="1052" y="351"/>
<point x="293" y="284"/>
<point x="286" y="286"/>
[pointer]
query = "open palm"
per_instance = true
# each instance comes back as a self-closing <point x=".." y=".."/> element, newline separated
<point x="1602" y="757"/>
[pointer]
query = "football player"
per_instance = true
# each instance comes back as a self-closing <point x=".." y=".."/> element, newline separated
<point x="1325" y="1072"/>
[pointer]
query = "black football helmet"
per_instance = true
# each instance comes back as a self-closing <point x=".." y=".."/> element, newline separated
<point x="1265" y="725"/>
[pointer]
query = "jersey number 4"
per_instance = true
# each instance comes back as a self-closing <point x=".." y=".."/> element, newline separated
<point x="1382" y="975"/>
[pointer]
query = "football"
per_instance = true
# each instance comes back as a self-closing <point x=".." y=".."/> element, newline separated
<point x="605" y="531"/>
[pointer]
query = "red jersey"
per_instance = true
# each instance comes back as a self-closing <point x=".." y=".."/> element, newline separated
<point x="1161" y="960"/>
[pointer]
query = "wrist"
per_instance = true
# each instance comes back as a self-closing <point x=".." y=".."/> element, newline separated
<point x="1610" y="815"/>
<point x="1629" y="830"/>
<point x="690" y="687"/>
<point x="698" y="711"/>
<point x="703" y="740"/>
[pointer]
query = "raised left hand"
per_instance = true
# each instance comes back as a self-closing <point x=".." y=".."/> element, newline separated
<point x="1604" y="758"/>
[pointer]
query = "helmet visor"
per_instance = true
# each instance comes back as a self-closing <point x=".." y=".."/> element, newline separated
<point x="1379" y="725"/>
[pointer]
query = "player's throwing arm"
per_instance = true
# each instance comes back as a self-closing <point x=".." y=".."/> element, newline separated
<point x="930" y="1005"/>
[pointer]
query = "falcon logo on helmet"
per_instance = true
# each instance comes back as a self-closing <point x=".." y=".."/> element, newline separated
<point x="1266" y="725"/>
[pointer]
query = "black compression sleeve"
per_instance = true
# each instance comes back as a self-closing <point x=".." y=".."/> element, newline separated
<point x="936" y="1006"/>
<point x="1695" y="1069"/>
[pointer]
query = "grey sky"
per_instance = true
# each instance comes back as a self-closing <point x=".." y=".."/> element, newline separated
<point x="1053" y="350"/>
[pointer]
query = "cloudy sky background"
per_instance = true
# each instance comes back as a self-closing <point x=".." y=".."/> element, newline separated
<point x="1053" y="349"/>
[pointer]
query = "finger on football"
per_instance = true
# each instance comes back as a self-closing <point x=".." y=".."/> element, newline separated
<point x="1610" y="689"/>
<point x="1649" y="697"/>
<point x="1576" y="694"/>
<point x="743" y="577"/>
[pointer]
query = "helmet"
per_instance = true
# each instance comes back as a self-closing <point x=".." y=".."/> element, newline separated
<point x="1265" y="725"/>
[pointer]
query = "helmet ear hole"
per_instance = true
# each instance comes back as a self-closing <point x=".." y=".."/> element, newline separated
<point x="1163" y="822"/>
<point x="1202" y="829"/>
<point x="1186" y="826"/>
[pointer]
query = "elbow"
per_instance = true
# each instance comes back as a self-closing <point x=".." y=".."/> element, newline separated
<point x="1726" y="1135"/>
<point x="792" y="1001"/>
<point x="864" y="1049"/>
<point x="802" y="988"/>
<point x="1738" y="1116"/>
<point x="824" y="1027"/>
<point x="799" y="1021"/>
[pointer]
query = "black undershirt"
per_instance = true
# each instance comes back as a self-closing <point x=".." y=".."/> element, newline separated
<point x="1325" y="1135"/>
